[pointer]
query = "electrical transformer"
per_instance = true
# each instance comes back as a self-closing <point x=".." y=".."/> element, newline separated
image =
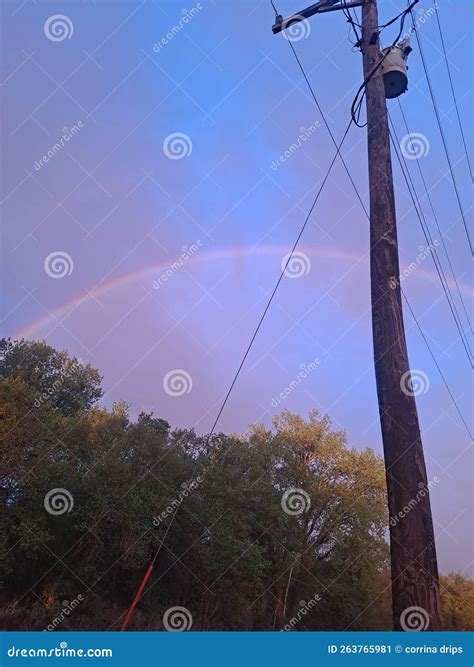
<point x="394" y="69"/>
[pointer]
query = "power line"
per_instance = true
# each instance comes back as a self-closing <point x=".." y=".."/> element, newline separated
<point x="429" y="241"/>
<point x="269" y="302"/>
<point x="353" y="23"/>
<point x="437" y="365"/>
<point x="435" y="217"/>
<point x="443" y="138"/>
<point x="277" y="284"/>
<point x="327" y="125"/>
<point x="453" y="92"/>
<point x="234" y="380"/>
<point x="384" y="25"/>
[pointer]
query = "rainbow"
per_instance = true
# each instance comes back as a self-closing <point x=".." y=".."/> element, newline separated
<point x="108" y="285"/>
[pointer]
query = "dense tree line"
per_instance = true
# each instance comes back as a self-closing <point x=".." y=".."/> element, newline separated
<point x="264" y="527"/>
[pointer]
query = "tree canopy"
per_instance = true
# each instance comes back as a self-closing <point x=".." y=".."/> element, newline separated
<point x="254" y="528"/>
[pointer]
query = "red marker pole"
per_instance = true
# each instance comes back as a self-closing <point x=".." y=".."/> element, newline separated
<point x="147" y="575"/>
<point x="136" y="598"/>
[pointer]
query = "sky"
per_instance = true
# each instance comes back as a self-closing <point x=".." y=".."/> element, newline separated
<point x="150" y="240"/>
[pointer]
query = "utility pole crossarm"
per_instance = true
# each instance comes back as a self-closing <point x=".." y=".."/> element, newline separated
<point x="318" y="8"/>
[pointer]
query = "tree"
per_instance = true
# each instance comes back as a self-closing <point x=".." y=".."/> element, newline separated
<point x="457" y="598"/>
<point x="457" y="603"/>
<point x="342" y="492"/>
<point x="65" y="382"/>
<point x="281" y="528"/>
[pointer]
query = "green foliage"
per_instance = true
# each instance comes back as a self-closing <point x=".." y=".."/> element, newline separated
<point x="457" y="597"/>
<point x="457" y="603"/>
<point x="69" y="384"/>
<point x="232" y="555"/>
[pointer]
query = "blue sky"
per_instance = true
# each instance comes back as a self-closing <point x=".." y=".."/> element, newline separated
<point x="122" y="210"/>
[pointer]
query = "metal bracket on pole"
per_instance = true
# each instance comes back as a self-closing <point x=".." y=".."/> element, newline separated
<point x="318" y="8"/>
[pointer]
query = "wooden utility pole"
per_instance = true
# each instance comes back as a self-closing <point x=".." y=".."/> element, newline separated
<point x="413" y="554"/>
